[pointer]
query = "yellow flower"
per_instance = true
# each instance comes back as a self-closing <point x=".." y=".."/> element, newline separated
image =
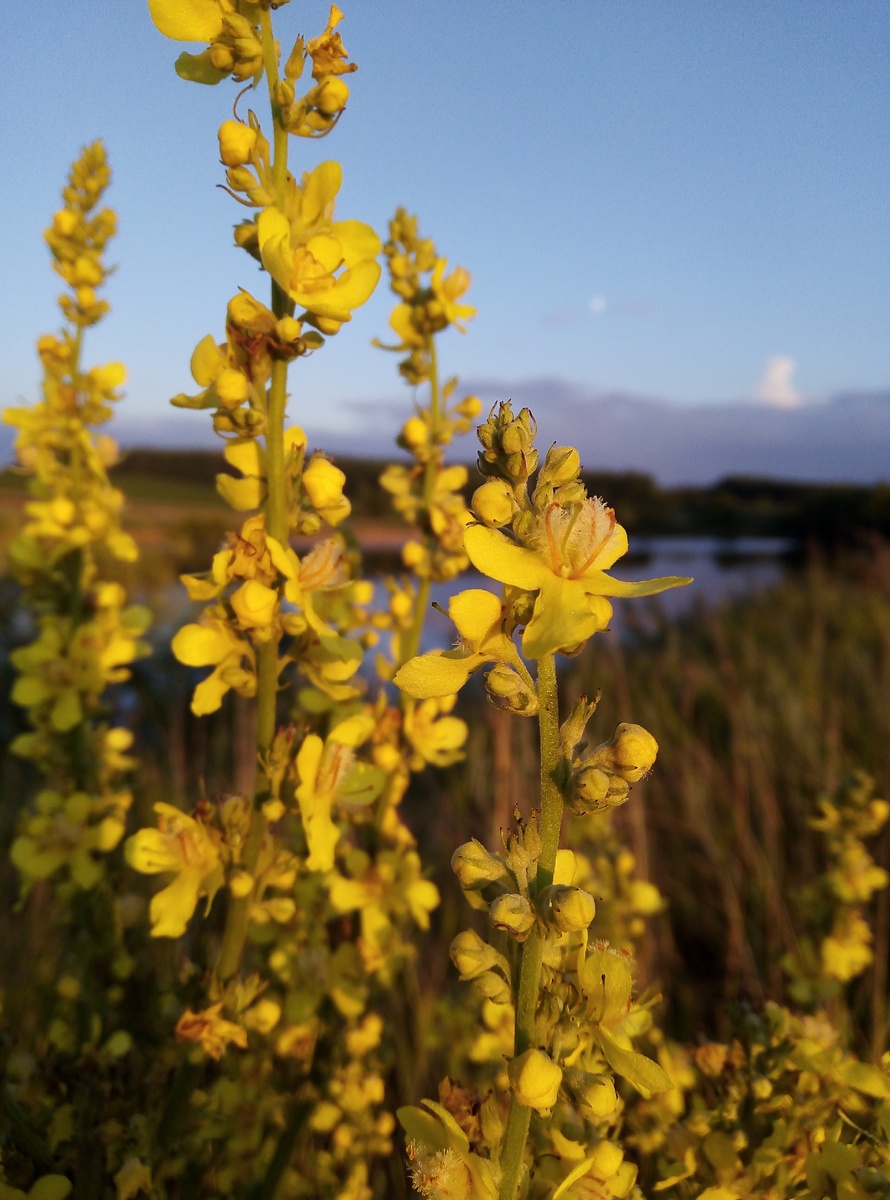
<point x="63" y="832"/>
<point x="211" y="1030"/>
<point x="391" y="888"/>
<point x="183" y="846"/>
<point x="565" y="562"/>
<point x="479" y="617"/>
<point x="443" y="1165"/>
<point x="214" y="643"/>
<point x="329" y="774"/>
<point x="304" y="249"/>
<point x="434" y="738"/>
<point x="248" y="456"/>
<point x="448" y="290"/>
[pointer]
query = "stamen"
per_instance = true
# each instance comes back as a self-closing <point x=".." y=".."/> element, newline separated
<point x="609" y="513"/>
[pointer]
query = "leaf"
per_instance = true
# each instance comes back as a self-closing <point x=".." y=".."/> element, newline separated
<point x="865" y="1078"/>
<point x="644" y="1074"/>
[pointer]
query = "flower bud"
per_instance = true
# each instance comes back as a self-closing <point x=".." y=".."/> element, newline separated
<point x="323" y="483"/>
<point x="508" y="690"/>
<point x="330" y="96"/>
<point x="475" y="867"/>
<point x="606" y="1158"/>
<point x="254" y="604"/>
<point x="493" y="503"/>
<point x="595" y="790"/>
<point x="231" y="387"/>
<point x="513" y="914"/>
<point x="470" y="407"/>
<point x="236" y="142"/>
<point x="493" y="987"/>
<point x="630" y="753"/>
<point x="596" y="1092"/>
<point x="249" y="314"/>
<point x="284" y="93"/>
<point x="570" y="908"/>
<point x="562" y="465"/>
<point x="414" y="432"/>
<point x="241" y="179"/>
<point x="471" y="955"/>
<point x="535" y="1080"/>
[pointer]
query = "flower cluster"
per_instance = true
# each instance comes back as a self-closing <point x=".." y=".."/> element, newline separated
<point x="571" y="999"/>
<point x="428" y="494"/>
<point x="839" y="945"/>
<point x="87" y="636"/>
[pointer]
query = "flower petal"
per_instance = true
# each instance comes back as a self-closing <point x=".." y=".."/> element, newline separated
<point x="198" y="646"/>
<point x="500" y="558"/>
<point x="358" y="241"/>
<point x="474" y="612"/>
<point x="246" y="456"/>
<point x="436" y="674"/>
<point x="273" y="234"/>
<point x="349" y="291"/>
<point x="187" y="20"/>
<point x="598" y="583"/>
<point x="565" y="614"/>
<point x="320" y="188"/>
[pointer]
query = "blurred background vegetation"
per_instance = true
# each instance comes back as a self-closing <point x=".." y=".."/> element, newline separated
<point x="761" y="705"/>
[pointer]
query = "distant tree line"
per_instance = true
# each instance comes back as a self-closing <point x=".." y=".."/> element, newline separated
<point x="829" y="514"/>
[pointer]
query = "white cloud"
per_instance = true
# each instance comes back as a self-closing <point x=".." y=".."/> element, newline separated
<point x="776" y="388"/>
<point x="597" y="305"/>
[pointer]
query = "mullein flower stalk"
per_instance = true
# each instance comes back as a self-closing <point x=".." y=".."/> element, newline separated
<point x="538" y="533"/>
<point x="87" y="635"/>
<point x="428" y="494"/>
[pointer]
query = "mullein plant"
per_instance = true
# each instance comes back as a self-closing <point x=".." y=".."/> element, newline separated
<point x="322" y="881"/>
<point x="544" y="1128"/>
<point x="86" y="639"/>
<point x="785" y="1108"/>
<point x="87" y="636"/>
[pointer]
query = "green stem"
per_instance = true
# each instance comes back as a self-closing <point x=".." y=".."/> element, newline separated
<point x="527" y="992"/>
<point x="276" y="519"/>
<point x="297" y="1111"/>
<point x="411" y="644"/>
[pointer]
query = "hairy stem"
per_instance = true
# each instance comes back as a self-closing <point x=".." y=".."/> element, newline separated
<point x="529" y="987"/>
<point x="276" y="520"/>
<point x="411" y="644"/>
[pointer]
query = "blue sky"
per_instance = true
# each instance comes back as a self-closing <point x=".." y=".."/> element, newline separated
<point x="679" y="203"/>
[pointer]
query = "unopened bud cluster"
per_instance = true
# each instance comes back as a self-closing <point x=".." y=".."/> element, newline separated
<point x="429" y="298"/>
<point x="428" y="494"/>
<point x="604" y="778"/>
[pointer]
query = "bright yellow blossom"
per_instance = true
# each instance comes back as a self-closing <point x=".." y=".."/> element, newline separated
<point x="435" y="738"/>
<point x="214" y="643"/>
<point x="329" y="774"/>
<point x="184" y="847"/>
<point x="564" y="561"/>
<point x="303" y="249"/>
<point x="479" y="617"/>
<point x="448" y="290"/>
